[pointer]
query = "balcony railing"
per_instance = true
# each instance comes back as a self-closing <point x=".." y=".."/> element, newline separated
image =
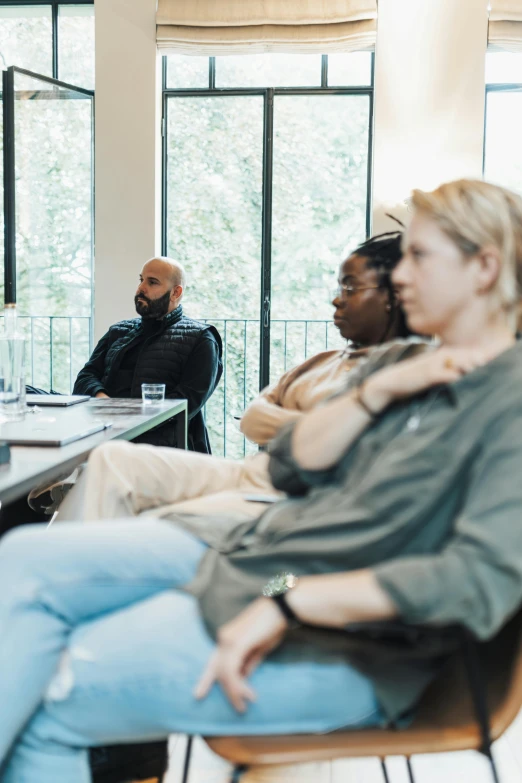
<point x="59" y="346"/>
<point x="292" y="341"/>
<point x="57" y="349"/>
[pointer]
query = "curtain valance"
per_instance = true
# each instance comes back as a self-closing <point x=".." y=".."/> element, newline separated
<point x="505" y="25"/>
<point x="248" y="26"/>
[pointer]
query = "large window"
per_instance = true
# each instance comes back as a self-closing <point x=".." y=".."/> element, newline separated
<point x="502" y="149"/>
<point x="51" y="229"/>
<point x="266" y="181"/>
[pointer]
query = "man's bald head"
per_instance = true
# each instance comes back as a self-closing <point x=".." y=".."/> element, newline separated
<point x="170" y="267"/>
<point x="162" y="282"/>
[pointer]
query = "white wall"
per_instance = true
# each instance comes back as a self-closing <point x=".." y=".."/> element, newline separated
<point x="127" y="162"/>
<point x="429" y="96"/>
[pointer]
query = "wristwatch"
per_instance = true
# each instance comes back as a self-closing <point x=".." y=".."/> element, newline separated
<point x="276" y="589"/>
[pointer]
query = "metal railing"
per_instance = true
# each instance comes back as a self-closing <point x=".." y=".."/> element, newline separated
<point x="59" y="346"/>
<point x="291" y="342"/>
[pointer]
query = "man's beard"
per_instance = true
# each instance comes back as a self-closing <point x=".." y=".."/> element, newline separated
<point x="152" y="308"/>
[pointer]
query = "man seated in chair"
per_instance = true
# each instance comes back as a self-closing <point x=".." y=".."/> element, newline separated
<point x="161" y="346"/>
<point x="405" y="504"/>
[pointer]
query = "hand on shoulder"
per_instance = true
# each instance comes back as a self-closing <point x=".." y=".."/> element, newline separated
<point x="412" y="376"/>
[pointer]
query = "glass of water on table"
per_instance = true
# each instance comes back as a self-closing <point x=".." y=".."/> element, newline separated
<point x="152" y="393"/>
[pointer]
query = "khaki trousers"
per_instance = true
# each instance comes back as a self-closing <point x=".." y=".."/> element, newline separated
<point x="123" y="479"/>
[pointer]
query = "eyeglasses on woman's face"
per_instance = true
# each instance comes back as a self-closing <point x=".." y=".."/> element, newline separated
<point x="348" y="290"/>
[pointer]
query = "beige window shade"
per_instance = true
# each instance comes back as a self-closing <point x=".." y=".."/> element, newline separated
<point x="505" y="25"/>
<point x="251" y="26"/>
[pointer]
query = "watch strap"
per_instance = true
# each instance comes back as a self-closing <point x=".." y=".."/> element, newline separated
<point x="286" y="609"/>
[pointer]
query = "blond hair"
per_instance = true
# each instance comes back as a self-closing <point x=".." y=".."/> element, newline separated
<point x="475" y="215"/>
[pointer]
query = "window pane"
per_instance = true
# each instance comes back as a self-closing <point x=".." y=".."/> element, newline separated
<point x="53" y="146"/>
<point x="184" y="71"/>
<point x="26" y="38"/>
<point x="214" y="208"/>
<point x="503" y="160"/>
<point x="353" y="69"/>
<point x="76" y="45"/>
<point x="215" y="156"/>
<point x="503" y="67"/>
<point x="269" y="70"/>
<point x="53" y="154"/>
<point x="319" y="197"/>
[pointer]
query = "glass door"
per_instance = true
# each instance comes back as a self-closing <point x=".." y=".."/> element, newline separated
<point x="48" y="221"/>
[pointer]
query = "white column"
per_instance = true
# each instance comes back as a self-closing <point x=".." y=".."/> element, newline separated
<point x="429" y="97"/>
<point x="127" y="159"/>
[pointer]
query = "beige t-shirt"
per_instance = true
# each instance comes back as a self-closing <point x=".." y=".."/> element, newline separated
<point x="297" y="391"/>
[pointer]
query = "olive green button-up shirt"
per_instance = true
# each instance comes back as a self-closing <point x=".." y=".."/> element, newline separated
<point x="429" y="497"/>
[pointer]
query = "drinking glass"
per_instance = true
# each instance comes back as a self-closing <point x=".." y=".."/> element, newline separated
<point x="12" y="380"/>
<point x="152" y="393"/>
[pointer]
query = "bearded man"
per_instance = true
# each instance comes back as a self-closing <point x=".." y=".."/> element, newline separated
<point x="161" y="346"/>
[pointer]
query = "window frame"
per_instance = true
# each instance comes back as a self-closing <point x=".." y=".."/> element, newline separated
<point x="8" y="123"/>
<point x="268" y="94"/>
<point x="9" y="180"/>
<point x="490" y="88"/>
<point x="54" y="5"/>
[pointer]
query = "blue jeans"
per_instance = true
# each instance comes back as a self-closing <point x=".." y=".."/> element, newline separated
<point x="100" y="645"/>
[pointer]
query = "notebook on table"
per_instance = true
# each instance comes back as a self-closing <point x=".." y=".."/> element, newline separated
<point x="55" y="400"/>
<point x="47" y="431"/>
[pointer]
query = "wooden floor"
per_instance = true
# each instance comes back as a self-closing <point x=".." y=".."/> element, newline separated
<point x="466" y="767"/>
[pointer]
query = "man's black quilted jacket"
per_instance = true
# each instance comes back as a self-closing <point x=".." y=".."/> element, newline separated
<point x="184" y="354"/>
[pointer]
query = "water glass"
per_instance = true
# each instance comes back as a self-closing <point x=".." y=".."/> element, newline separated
<point x="152" y="393"/>
<point x="12" y="380"/>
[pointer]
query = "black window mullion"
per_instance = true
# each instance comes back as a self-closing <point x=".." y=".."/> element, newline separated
<point x="369" y="173"/>
<point x="266" y="239"/>
<point x="212" y="73"/>
<point x="369" y="182"/>
<point x="485" y="131"/>
<point x="9" y="187"/>
<point x="324" y="70"/>
<point x="164" y="178"/>
<point x="55" y="39"/>
<point x="164" y="156"/>
<point x="164" y="72"/>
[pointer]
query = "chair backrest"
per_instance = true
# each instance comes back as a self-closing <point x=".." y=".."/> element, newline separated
<point x="502" y="662"/>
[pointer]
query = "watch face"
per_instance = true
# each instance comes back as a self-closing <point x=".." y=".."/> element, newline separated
<point x="279" y="584"/>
